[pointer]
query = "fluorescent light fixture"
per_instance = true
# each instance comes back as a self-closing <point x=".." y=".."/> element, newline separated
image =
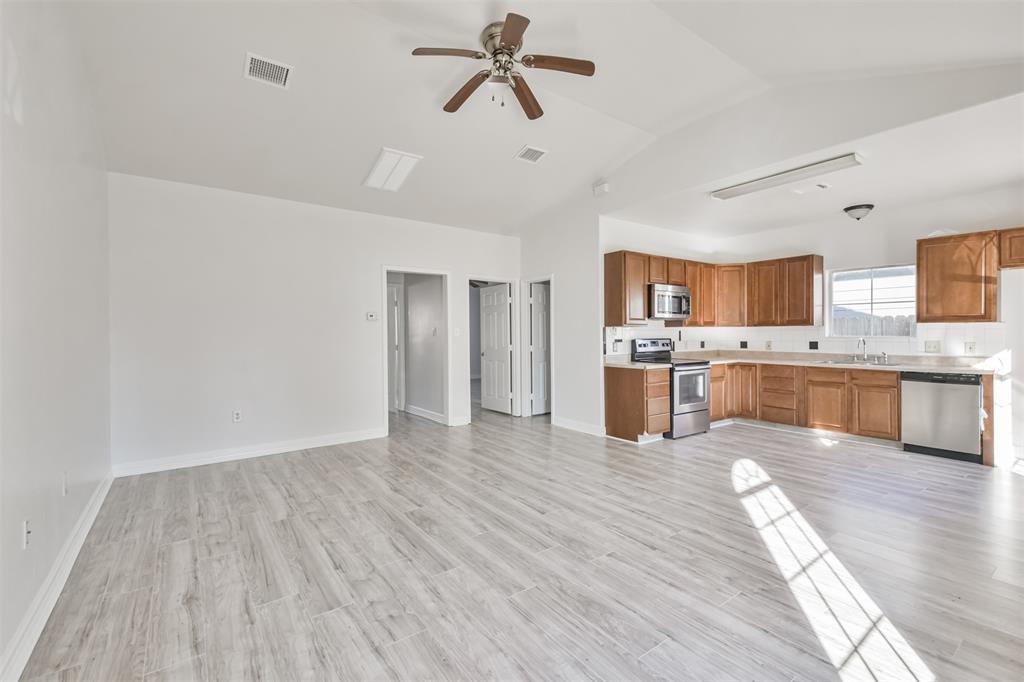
<point x="785" y="177"/>
<point x="391" y="169"/>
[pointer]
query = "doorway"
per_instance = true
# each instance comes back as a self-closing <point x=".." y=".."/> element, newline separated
<point x="416" y="344"/>
<point x="491" y="344"/>
<point x="539" y="349"/>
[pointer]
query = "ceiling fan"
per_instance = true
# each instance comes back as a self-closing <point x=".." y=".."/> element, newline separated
<point x="502" y="41"/>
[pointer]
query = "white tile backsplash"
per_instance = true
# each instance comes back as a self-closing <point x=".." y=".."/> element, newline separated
<point x="990" y="338"/>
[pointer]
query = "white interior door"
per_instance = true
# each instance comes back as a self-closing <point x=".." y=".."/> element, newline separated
<point x="496" y="348"/>
<point x="540" y="348"/>
<point x="396" y="332"/>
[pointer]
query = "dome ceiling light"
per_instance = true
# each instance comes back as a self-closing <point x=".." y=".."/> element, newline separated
<point x="858" y="211"/>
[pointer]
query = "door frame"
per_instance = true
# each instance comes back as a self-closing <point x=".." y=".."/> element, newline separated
<point x="400" y="329"/>
<point x="383" y="333"/>
<point x="524" y="345"/>
<point x="517" y="369"/>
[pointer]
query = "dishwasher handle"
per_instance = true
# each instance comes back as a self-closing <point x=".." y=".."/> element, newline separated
<point x="942" y="378"/>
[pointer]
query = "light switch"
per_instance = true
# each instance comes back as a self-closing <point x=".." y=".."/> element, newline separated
<point x="372" y="317"/>
<point x="933" y="346"/>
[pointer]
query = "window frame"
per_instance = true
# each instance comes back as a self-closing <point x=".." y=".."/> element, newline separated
<point x="828" y="301"/>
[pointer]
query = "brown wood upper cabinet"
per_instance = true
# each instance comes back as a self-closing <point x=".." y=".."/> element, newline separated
<point x="706" y="313"/>
<point x="625" y="289"/>
<point x="1011" y="248"/>
<point x="957" y="278"/>
<point x="657" y="270"/>
<point x="785" y="291"/>
<point x="801" y="291"/>
<point x="763" y="295"/>
<point x="730" y="296"/>
<point x="677" y="271"/>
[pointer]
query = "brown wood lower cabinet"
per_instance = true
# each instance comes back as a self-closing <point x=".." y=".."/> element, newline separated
<point x="742" y="380"/>
<point x="733" y="391"/>
<point x="826" y="399"/>
<point x="780" y="395"/>
<point x="636" y="402"/>
<point x="719" y="392"/>
<point x="861" y="402"/>
<point x="875" y="404"/>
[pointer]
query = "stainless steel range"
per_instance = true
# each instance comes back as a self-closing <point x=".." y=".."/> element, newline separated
<point x="691" y="386"/>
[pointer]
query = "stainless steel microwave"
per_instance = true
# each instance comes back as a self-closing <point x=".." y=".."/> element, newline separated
<point x="669" y="302"/>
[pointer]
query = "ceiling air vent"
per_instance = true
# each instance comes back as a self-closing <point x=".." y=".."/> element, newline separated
<point x="530" y="154"/>
<point x="268" y="71"/>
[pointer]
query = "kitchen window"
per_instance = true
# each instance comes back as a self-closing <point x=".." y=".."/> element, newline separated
<point x="873" y="301"/>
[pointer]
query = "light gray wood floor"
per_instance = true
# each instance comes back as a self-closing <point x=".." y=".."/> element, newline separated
<point x="512" y="549"/>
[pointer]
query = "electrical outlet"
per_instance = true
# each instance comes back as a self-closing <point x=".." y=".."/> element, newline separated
<point x="236" y="416"/>
<point x="767" y="345"/>
<point x="970" y="347"/>
<point x="743" y="344"/>
<point x="26" y="533"/>
<point x="372" y="317"/>
<point x="933" y="346"/>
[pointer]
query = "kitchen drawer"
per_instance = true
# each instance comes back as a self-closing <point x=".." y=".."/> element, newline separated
<point x="657" y="376"/>
<point x="778" y="415"/>
<point x="658" y="390"/>
<point x="786" y="401"/>
<point x="778" y="371"/>
<point x="782" y="384"/>
<point x="828" y="375"/>
<point x="718" y="371"/>
<point x="657" y="406"/>
<point x="659" y="423"/>
<point x="868" y="377"/>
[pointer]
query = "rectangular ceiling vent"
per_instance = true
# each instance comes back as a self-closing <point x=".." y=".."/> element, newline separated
<point x="530" y="154"/>
<point x="266" y="70"/>
<point x="391" y="169"/>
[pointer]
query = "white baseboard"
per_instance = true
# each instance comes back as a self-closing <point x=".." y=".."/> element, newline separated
<point x="426" y="414"/>
<point x="582" y="427"/>
<point x="148" y="466"/>
<point x="13" y="661"/>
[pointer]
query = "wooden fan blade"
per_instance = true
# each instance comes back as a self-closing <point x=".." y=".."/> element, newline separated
<point x="580" y="67"/>
<point x="465" y="91"/>
<point x="512" y="31"/>
<point x="526" y="98"/>
<point x="448" y="52"/>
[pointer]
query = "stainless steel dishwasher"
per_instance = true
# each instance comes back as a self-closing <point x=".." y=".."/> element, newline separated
<point x="942" y="414"/>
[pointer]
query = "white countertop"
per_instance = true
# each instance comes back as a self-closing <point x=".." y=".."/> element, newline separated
<point x="623" y="361"/>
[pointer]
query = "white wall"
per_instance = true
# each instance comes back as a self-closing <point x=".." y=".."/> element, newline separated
<point x="474" y="333"/>
<point x="426" y="344"/>
<point x="54" y="366"/>
<point x="222" y="301"/>
<point x="1013" y="316"/>
<point x="562" y="244"/>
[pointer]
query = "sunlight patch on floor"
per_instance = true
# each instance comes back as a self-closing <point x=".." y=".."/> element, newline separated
<point x="857" y="637"/>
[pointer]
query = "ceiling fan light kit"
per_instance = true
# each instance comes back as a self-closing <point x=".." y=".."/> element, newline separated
<point x="502" y="41"/>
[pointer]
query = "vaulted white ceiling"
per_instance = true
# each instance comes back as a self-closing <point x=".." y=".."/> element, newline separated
<point x="174" y="104"/>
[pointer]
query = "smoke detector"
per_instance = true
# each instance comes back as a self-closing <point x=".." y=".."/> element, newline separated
<point x="265" y="70"/>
